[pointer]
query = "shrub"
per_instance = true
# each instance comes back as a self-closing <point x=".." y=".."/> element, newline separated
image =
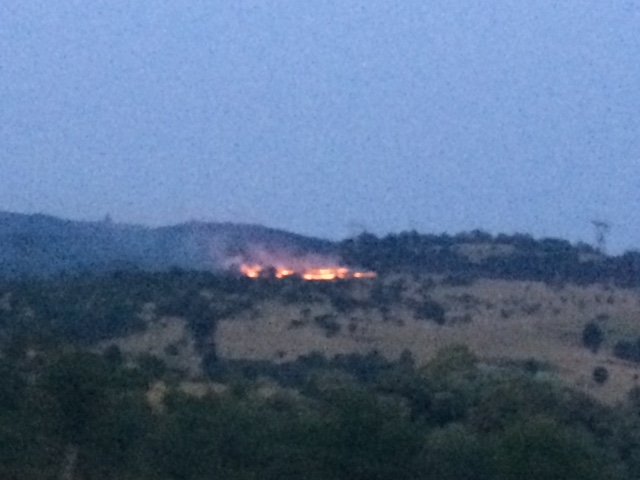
<point x="430" y="310"/>
<point x="329" y="324"/>
<point x="343" y="303"/>
<point x="634" y="397"/>
<point x="113" y="355"/>
<point x="627" y="350"/>
<point x="592" y="336"/>
<point x="600" y="375"/>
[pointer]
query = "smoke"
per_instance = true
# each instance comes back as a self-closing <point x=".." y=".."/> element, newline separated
<point x="280" y="258"/>
<point x="228" y="247"/>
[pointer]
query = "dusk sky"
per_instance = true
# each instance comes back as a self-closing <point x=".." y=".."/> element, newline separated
<point x="326" y="117"/>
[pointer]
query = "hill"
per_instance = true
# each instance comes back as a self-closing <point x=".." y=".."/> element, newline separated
<point x="170" y="289"/>
<point x="468" y="356"/>
<point x="40" y="245"/>
<point x="207" y="325"/>
<point x="477" y="254"/>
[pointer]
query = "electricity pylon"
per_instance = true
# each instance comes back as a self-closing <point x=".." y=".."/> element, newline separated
<point x="602" y="230"/>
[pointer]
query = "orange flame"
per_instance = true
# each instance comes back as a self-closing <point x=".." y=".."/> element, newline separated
<point x="326" y="273"/>
<point x="284" y="272"/>
<point x="251" y="271"/>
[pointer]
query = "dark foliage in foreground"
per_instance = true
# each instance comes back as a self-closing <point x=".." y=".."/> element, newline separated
<point x="453" y="419"/>
<point x="349" y="417"/>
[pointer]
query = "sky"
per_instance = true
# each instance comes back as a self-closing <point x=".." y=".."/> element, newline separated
<point x="326" y="117"/>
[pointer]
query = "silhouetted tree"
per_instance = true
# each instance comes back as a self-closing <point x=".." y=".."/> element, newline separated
<point x="600" y="375"/>
<point x="592" y="336"/>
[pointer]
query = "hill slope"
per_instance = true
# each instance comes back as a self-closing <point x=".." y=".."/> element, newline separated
<point x="40" y="245"/>
<point x="509" y="298"/>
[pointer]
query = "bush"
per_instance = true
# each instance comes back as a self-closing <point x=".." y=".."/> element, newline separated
<point x="430" y="310"/>
<point x="600" y="375"/>
<point x="633" y="398"/>
<point x="343" y="303"/>
<point x="627" y="350"/>
<point x="592" y="336"/>
<point x="544" y="448"/>
<point x="329" y="324"/>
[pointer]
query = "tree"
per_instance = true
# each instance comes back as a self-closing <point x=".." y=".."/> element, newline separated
<point x="90" y="398"/>
<point x="541" y="448"/>
<point x="627" y="350"/>
<point x="453" y="453"/>
<point x="430" y="310"/>
<point x="592" y="336"/>
<point x="600" y="375"/>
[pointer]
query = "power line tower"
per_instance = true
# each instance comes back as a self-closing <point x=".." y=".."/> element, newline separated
<point x="602" y="230"/>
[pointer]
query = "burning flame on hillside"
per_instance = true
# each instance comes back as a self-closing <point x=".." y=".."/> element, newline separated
<point x="316" y="273"/>
<point x="258" y="262"/>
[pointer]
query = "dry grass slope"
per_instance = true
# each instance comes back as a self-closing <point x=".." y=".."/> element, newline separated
<point x="497" y="319"/>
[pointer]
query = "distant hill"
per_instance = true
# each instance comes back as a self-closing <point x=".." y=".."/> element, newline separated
<point x="41" y="245"/>
<point x="511" y="299"/>
<point x="477" y="254"/>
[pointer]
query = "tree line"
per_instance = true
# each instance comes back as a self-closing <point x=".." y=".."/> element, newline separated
<point x="549" y="260"/>
<point x="89" y="416"/>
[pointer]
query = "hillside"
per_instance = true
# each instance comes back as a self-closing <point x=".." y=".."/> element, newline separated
<point x="509" y="298"/>
<point x="464" y="358"/>
<point x="500" y="321"/>
<point x="201" y="323"/>
<point x="40" y="245"/>
<point x="33" y="246"/>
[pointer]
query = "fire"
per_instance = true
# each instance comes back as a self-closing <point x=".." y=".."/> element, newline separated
<point x="364" y="275"/>
<point x="251" y="271"/>
<point x="284" y="272"/>
<point x="326" y="273"/>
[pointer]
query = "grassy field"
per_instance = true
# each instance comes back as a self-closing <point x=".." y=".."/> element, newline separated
<point x="499" y="320"/>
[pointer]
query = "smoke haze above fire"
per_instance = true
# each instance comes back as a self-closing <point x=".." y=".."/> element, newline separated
<point x="257" y="254"/>
<point x="325" y="118"/>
